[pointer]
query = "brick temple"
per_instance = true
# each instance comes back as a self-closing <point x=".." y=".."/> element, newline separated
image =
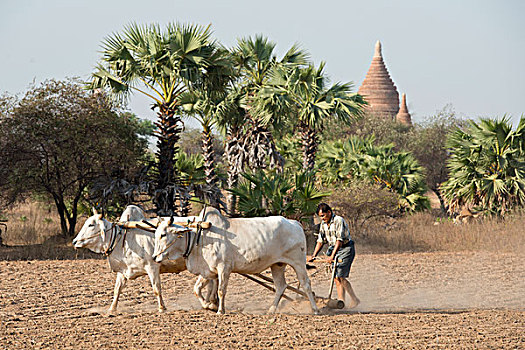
<point x="381" y="93"/>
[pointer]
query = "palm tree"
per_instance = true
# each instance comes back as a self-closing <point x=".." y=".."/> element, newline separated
<point x="248" y="118"/>
<point x="263" y="193"/>
<point x="230" y="120"/>
<point x="255" y="58"/>
<point x="202" y="102"/>
<point x="486" y="167"/>
<point x="306" y="91"/>
<point x="161" y="65"/>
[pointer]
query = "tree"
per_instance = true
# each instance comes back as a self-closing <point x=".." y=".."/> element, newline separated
<point x="486" y="167"/>
<point x="246" y="116"/>
<point x="57" y="140"/>
<point x="289" y="194"/>
<point x="313" y="103"/>
<point x="363" y="203"/>
<point x="399" y="172"/>
<point x="161" y="65"/>
<point x="427" y="143"/>
<point x="425" y="140"/>
<point x="202" y="102"/>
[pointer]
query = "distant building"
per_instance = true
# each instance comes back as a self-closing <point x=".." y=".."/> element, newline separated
<point x="381" y="93"/>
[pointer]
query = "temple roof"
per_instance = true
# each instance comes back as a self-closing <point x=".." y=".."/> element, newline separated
<point x="378" y="89"/>
<point x="403" y="116"/>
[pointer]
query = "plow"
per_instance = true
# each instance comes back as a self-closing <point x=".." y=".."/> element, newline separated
<point x="267" y="282"/>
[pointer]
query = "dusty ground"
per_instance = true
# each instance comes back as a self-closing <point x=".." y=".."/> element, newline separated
<point x="424" y="300"/>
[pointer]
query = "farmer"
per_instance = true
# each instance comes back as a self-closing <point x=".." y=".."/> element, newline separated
<point x="334" y="230"/>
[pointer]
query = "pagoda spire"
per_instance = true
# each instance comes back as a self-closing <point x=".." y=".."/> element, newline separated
<point x="379" y="89"/>
<point x="377" y="52"/>
<point x="403" y="116"/>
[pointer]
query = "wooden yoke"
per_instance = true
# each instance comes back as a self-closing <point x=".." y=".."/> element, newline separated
<point x="151" y="227"/>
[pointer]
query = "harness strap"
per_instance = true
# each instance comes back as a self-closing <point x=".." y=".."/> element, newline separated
<point x="92" y="236"/>
<point x="190" y="242"/>
<point x="124" y="239"/>
<point x="114" y="232"/>
<point x="199" y="226"/>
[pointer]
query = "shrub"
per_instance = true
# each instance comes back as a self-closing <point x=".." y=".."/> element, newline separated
<point x="359" y="158"/>
<point x="362" y="204"/>
<point x="487" y="167"/>
<point x="291" y="195"/>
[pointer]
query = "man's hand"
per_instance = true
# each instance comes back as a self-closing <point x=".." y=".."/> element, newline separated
<point x="310" y="258"/>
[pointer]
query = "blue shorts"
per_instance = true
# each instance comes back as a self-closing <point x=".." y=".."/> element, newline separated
<point x="346" y="253"/>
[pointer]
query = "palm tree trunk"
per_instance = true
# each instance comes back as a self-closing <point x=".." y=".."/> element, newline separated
<point x="310" y="141"/>
<point x="235" y="158"/>
<point x="260" y="146"/>
<point x="168" y="134"/>
<point x="209" y="167"/>
<point x="442" y="205"/>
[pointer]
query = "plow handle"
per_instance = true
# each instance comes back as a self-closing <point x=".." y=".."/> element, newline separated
<point x="332" y="280"/>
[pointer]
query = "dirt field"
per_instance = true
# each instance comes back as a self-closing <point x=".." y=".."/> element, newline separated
<point x="423" y="300"/>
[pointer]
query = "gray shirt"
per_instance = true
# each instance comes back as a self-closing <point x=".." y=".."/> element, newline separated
<point x="335" y="230"/>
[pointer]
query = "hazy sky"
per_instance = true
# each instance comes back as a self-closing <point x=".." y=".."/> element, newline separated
<point x="468" y="53"/>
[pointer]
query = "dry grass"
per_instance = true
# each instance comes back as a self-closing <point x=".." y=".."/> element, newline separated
<point x="33" y="233"/>
<point x="31" y="223"/>
<point x="426" y="232"/>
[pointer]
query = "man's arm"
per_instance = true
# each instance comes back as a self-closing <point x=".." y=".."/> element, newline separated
<point x="338" y="245"/>
<point x="318" y="247"/>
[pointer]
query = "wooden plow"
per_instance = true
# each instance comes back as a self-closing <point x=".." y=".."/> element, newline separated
<point x="267" y="282"/>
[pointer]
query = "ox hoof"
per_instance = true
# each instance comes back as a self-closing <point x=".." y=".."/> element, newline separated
<point x="316" y="312"/>
<point x="219" y="312"/>
<point x="272" y="309"/>
<point x="162" y="309"/>
<point x="211" y="306"/>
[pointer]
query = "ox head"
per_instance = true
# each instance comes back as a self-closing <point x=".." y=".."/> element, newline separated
<point x="92" y="234"/>
<point x="170" y="240"/>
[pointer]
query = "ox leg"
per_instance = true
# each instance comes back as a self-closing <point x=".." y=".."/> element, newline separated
<point x="302" y="276"/>
<point x="223" y="285"/>
<point x="206" y="303"/>
<point x="211" y="296"/>
<point x="154" y="276"/>
<point x="280" y="285"/>
<point x="197" y="290"/>
<point x="120" y="283"/>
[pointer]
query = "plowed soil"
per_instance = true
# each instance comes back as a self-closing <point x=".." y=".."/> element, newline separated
<point x="423" y="300"/>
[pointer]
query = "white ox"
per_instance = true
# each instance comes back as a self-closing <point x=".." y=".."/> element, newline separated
<point x="130" y="253"/>
<point x="241" y="245"/>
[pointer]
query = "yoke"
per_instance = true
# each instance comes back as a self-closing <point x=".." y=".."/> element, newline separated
<point x="152" y="226"/>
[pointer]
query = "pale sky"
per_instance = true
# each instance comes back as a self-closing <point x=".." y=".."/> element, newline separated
<point x="468" y="53"/>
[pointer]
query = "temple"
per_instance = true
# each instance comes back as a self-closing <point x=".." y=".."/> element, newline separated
<point x="403" y="116"/>
<point x="380" y="92"/>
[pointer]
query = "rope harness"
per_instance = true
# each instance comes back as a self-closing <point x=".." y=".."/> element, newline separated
<point x="191" y="240"/>
<point x="197" y="237"/>
<point x="114" y="230"/>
